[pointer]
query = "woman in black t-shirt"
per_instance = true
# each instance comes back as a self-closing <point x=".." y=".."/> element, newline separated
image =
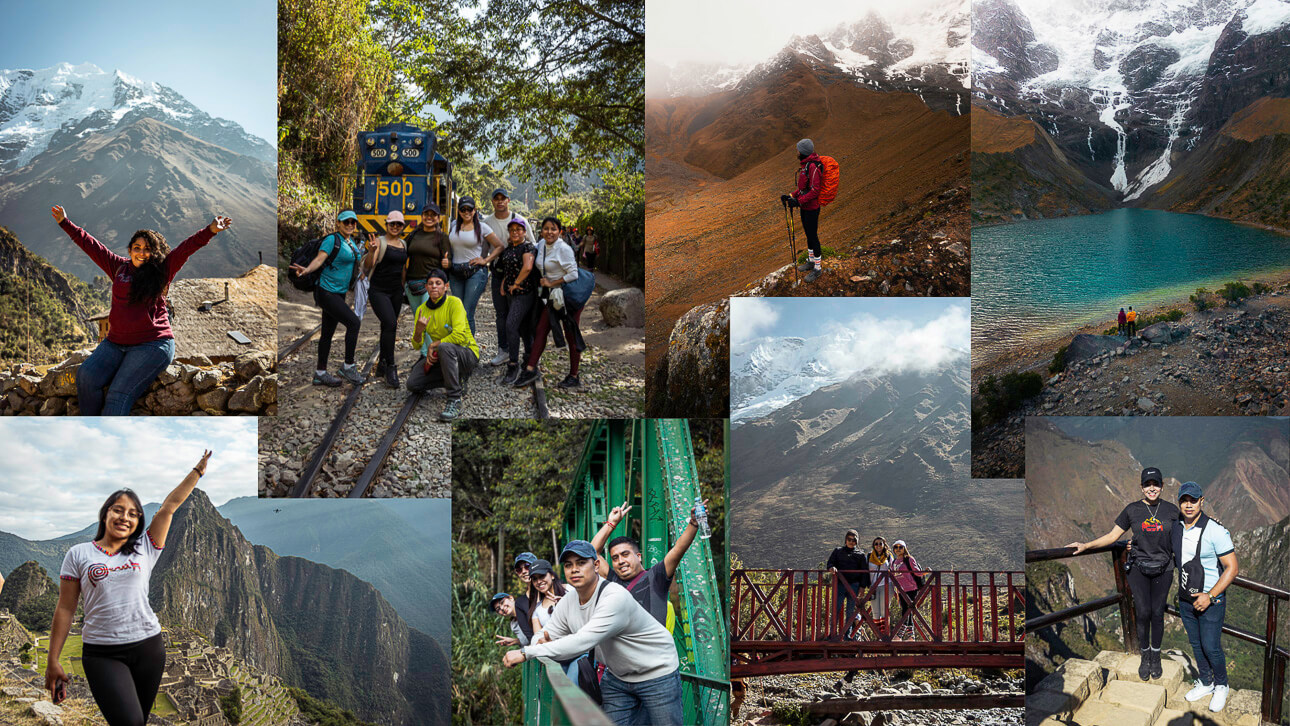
<point x="1151" y="519"/>
<point x="387" y="258"/>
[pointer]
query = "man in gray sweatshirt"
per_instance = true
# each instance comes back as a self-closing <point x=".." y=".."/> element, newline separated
<point x="642" y="679"/>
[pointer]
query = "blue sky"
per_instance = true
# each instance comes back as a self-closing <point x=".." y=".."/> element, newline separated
<point x="63" y="468"/>
<point x="221" y="56"/>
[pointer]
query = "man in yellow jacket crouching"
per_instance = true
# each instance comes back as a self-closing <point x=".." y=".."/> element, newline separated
<point x="450" y="354"/>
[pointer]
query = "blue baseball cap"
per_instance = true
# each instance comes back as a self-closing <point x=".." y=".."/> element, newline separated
<point x="500" y="191"/>
<point x="346" y="215"/>
<point x="527" y="558"/>
<point x="579" y="547"/>
<point x="492" y="604"/>
<point x="1190" y="489"/>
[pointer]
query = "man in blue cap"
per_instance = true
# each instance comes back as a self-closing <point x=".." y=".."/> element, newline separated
<point x="498" y="222"/>
<point x="642" y="680"/>
<point x="503" y="603"/>
<point x="1207" y="565"/>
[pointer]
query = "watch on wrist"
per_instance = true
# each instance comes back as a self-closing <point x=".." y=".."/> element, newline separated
<point x="524" y="654"/>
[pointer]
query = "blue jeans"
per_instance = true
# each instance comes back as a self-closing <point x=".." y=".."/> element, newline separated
<point x="415" y="301"/>
<point x="469" y="290"/>
<point x="656" y="702"/>
<point x="1205" y="631"/>
<point x="125" y="371"/>
<point x="850" y="600"/>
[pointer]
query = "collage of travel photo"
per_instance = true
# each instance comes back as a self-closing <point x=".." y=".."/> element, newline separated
<point x="719" y="364"/>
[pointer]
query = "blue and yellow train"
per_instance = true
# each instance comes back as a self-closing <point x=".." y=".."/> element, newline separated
<point x="399" y="170"/>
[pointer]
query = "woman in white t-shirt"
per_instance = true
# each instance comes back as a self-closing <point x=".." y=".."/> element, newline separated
<point x="123" y="655"/>
<point x="473" y="246"/>
<point x="555" y="263"/>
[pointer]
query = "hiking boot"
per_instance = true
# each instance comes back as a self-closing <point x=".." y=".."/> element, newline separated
<point x="1144" y="666"/>
<point x="451" y="411"/>
<point x="326" y="379"/>
<point x="814" y="275"/>
<point x="501" y="357"/>
<point x="570" y="381"/>
<point x="512" y="372"/>
<point x="1157" y="669"/>
<point x="806" y="266"/>
<point x="391" y="375"/>
<point x="525" y="377"/>
<point x="351" y="374"/>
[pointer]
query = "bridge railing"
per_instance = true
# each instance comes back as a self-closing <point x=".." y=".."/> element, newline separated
<point x="1274" y="656"/>
<point x="552" y="699"/>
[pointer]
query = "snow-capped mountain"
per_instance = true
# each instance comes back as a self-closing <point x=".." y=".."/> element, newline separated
<point x="1125" y="88"/>
<point x="769" y="373"/>
<point x="55" y="107"/>
<point x="691" y="78"/>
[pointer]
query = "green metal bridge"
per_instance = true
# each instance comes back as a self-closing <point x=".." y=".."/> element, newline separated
<point x="648" y="463"/>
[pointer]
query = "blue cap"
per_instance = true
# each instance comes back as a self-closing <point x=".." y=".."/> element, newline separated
<point x="431" y="207"/>
<point x="346" y="215"/>
<point x="492" y="604"/>
<point x="500" y="191"/>
<point x="1190" y="489"/>
<point x="527" y="558"/>
<point x="579" y="547"/>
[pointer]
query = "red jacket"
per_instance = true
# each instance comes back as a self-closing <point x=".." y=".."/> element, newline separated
<point x="810" y="179"/>
<point x="134" y="323"/>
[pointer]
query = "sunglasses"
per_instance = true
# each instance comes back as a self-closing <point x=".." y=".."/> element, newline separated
<point x="350" y="221"/>
<point x="900" y="547"/>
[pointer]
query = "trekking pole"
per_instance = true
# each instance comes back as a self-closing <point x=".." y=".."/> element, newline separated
<point x="792" y="240"/>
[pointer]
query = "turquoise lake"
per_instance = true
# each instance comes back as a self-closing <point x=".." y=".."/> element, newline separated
<point x="1036" y="280"/>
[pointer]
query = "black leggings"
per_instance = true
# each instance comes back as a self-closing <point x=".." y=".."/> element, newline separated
<point x="516" y="311"/>
<point x="387" y="305"/>
<point x="810" y="224"/>
<point x="124" y="678"/>
<point x="335" y="312"/>
<point x="1149" y="595"/>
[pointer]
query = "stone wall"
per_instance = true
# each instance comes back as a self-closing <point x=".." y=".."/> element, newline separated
<point x="195" y="386"/>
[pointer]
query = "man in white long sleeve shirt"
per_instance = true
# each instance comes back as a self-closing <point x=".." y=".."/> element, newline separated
<point x="642" y="680"/>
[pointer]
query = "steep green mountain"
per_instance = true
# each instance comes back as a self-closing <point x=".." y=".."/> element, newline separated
<point x="31" y="595"/>
<point x="388" y="544"/>
<point x="45" y="312"/>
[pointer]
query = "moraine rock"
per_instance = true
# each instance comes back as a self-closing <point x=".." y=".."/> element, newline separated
<point x="623" y="307"/>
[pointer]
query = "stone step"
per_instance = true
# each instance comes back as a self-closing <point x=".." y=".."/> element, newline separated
<point x="1101" y="713"/>
<point x="1171" y="676"/>
<point x="1146" y="697"/>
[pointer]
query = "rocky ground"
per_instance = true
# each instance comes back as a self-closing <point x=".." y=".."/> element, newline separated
<point x="420" y="461"/>
<point x="767" y="694"/>
<point x="24" y="702"/>
<point x="1225" y="361"/>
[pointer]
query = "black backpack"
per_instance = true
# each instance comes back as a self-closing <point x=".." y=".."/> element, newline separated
<point x="305" y="255"/>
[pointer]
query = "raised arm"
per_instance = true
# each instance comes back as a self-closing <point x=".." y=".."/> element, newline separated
<point x="674" y="555"/>
<point x="107" y="260"/>
<point x="160" y="526"/>
<point x="69" y="593"/>
<point x="1102" y="541"/>
<point x="602" y="536"/>
<point x="178" y="256"/>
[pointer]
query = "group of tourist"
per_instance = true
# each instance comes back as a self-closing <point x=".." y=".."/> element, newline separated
<point x="863" y="590"/>
<point x="1166" y="537"/>
<point x="537" y="289"/>
<point x="1128" y="322"/>
<point x="610" y="626"/>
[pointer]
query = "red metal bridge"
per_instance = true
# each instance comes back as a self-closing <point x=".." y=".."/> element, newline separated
<point x="788" y="621"/>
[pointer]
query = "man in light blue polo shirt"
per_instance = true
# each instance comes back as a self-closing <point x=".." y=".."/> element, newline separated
<point x="1206" y="564"/>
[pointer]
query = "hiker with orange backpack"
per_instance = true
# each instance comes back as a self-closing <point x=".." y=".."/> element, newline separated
<point x="817" y="185"/>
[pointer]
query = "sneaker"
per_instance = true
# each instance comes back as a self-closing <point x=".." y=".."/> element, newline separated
<point x="570" y="381"/>
<point x="815" y="275"/>
<point x="391" y="375"/>
<point x="501" y="357"/>
<point x="1144" y="665"/>
<point x="350" y="373"/>
<point x="1198" y="692"/>
<point x="451" y="411"/>
<point x="806" y="266"/>
<point x="1219" y="700"/>
<point x="326" y="379"/>
<point x="1157" y="670"/>
<point x="512" y="372"/>
<point x="525" y="377"/>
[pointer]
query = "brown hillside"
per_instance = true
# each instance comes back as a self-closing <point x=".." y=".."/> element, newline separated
<point x="708" y="238"/>
<point x="995" y="134"/>
<point x="1264" y="117"/>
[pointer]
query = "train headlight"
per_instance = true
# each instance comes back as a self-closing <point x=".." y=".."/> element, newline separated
<point x="368" y="206"/>
<point x="371" y="141"/>
<point x="411" y="207"/>
<point x="417" y="141"/>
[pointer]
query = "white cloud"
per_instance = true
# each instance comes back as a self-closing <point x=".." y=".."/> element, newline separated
<point x="750" y="317"/>
<point x="893" y="345"/>
<point x="61" y="470"/>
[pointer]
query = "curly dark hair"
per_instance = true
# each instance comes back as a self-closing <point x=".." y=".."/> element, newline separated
<point x="150" y="277"/>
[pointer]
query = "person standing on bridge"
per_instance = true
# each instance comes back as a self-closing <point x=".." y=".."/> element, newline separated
<point x="474" y="247"/>
<point x="449" y="351"/>
<point x="1207" y="565"/>
<point x="139" y="343"/>
<point x="909" y="579"/>
<point x="499" y="221"/>
<point x="503" y="604"/>
<point x="649" y="587"/>
<point x="642" y="678"/>
<point x="386" y="264"/>
<point x="124" y="653"/>
<point x="851" y="570"/>
<point x="1152" y="521"/>
<point x="879" y="561"/>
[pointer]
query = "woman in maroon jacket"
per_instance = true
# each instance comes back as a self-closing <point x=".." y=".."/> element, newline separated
<point x="140" y="343"/>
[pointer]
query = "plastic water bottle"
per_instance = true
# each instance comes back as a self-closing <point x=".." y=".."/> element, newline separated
<point x="701" y="517"/>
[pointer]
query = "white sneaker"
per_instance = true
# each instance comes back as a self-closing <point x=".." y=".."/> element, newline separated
<point x="1200" y="691"/>
<point x="1219" y="700"/>
<point x="501" y="357"/>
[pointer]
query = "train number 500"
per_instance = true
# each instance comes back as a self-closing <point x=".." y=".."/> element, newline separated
<point x="394" y="188"/>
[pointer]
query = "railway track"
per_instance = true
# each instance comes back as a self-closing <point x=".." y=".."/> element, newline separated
<point x="305" y="484"/>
